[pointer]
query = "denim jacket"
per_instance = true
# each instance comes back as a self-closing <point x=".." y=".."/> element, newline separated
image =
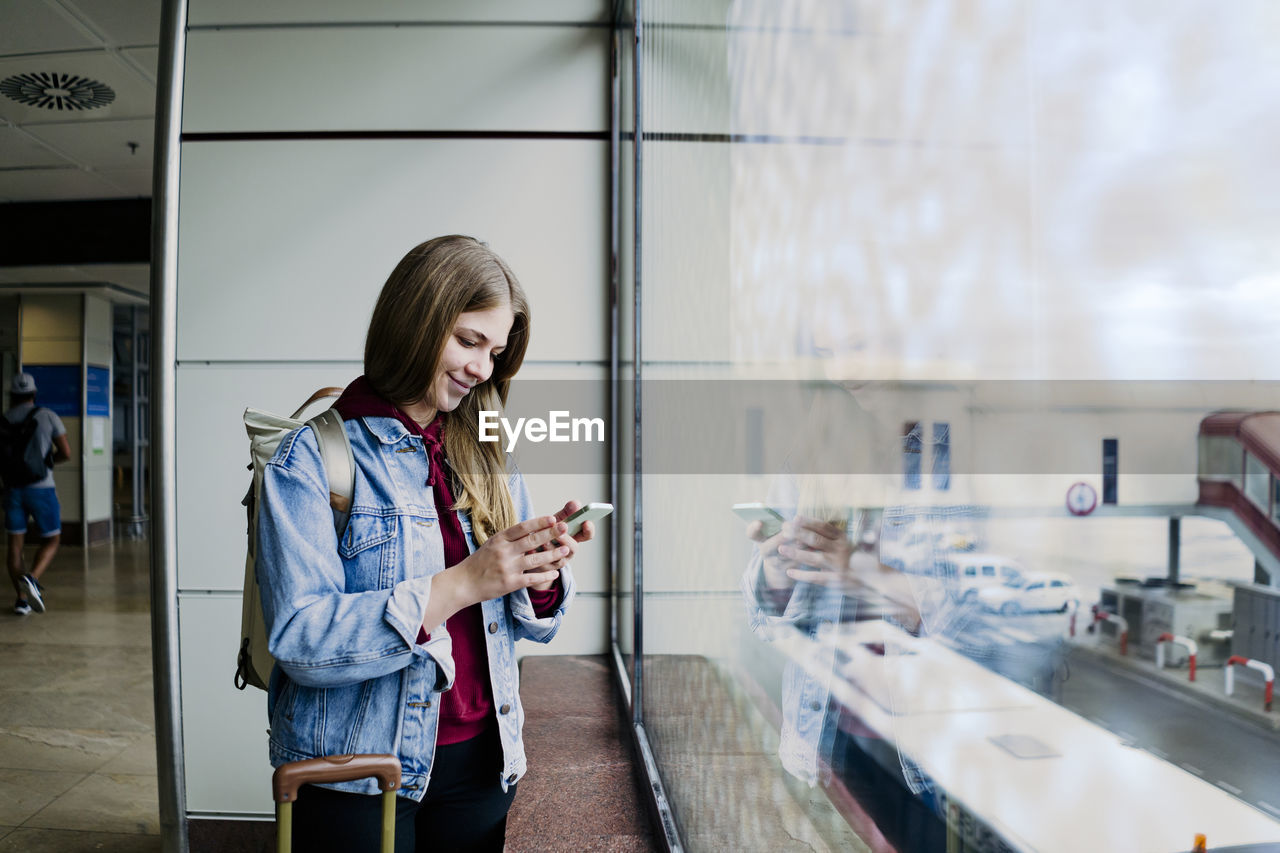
<point x="343" y="617"/>
<point x="807" y="734"/>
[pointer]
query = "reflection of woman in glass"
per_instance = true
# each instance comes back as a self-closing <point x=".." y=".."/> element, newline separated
<point x="824" y="570"/>
<point x="398" y="635"/>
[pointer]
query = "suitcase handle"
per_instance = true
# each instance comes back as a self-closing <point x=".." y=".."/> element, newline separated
<point x="334" y="768"/>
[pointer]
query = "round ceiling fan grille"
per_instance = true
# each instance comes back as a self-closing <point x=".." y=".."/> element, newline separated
<point x="53" y="91"/>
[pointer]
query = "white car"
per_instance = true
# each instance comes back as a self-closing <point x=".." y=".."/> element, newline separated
<point x="1029" y="592"/>
<point x="968" y="573"/>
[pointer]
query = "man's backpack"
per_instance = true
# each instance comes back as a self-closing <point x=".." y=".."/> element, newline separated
<point x="21" y="462"/>
<point x="254" y="661"/>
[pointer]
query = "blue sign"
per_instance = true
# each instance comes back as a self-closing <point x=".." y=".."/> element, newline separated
<point x="57" y="387"/>
<point x="97" y="391"/>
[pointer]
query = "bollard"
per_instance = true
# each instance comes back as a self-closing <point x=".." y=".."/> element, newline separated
<point x="1265" y="668"/>
<point x="1120" y="623"/>
<point x="1190" y="645"/>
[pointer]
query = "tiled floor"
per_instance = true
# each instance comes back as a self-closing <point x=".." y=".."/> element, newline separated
<point x="77" y="741"/>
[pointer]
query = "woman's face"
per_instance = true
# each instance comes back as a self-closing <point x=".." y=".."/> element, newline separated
<point x="478" y="339"/>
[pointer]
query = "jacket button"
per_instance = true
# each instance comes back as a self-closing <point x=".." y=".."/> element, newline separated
<point x="511" y="780"/>
<point x="493" y="627"/>
<point x="505" y="709"/>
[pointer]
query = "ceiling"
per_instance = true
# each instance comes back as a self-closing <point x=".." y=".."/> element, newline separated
<point x="52" y="154"/>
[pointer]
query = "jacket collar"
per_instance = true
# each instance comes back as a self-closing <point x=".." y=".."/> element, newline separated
<point x="387" y="430"/>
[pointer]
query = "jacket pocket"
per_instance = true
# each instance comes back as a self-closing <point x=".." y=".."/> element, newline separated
<point x="369" y="551"/>
<point x="366" y="531"/>
<point x="296" y="724"/>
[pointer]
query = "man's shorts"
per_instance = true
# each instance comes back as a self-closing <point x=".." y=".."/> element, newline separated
<point x="41" y="504"/>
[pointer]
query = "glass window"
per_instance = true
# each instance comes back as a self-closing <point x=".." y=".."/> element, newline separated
<point x="941" y="456"/>
<point x="911" y="446"/>
<point x="1221" y="458"/>
<point x="1257" y="481"/>
<point x="1110" y="470"/>
<point x="862" y="225"/>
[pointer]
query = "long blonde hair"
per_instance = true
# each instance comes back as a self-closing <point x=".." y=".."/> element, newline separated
<point x="413" y="319"/>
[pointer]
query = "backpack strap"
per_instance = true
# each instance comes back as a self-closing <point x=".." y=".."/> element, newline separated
<point x="339" y="464"/>
<point x="328" y="391"/>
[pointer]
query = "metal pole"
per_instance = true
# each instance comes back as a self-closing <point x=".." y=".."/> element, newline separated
<point x="170" y="771"/>
<point x="138" y="518"/>
<point x="84" y="420"/>
<point x="637" y="586"/>
<point x="615" y="370"/>
<point x="1175" y="546"/>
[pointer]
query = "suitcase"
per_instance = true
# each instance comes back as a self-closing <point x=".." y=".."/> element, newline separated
<point x="335" y="768"/>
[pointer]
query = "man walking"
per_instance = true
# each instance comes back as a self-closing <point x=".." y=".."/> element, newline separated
<point x="38" y="499"/>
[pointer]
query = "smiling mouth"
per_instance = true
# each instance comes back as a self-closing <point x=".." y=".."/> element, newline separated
<point x="464" y="388"/>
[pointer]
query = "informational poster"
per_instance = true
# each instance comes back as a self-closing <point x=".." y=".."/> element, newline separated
<point x="98" y="444"/>
<point x="57" y="387"/>
<point x="97" y="391"/>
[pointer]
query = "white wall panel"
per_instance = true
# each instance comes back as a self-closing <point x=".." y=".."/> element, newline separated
<point x="403" y="78"/>
<point x="98" y="497"/>
<point x="213" y="450"/>
<point x="224" y="729"/>
<point x="98" y="330"/>
<point x="585" y="630"/>
<point x="284" y="247"/>
<point x="207" y="12"/>
<point x="98" y="461"/>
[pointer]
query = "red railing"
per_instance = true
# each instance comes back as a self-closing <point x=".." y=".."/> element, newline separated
<point x="1258" y="434"/>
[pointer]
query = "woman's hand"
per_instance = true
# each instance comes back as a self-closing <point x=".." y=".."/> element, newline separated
<point x="511" y="560"/>
<point x="822" y="546"/>
<point x="775" y="567"/>
<point x="585" y="534"/>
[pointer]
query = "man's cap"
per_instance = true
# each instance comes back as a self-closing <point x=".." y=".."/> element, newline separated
<point x="23" y="383"/>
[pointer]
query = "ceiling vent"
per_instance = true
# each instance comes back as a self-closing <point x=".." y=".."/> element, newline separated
<point x="51" y="91"/>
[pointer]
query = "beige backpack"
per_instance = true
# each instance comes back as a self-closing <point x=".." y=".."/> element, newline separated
<point x="254" y="661"/>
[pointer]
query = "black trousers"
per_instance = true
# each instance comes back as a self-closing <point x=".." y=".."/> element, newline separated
<point x="905" y="820"/>
<point x="465" y="808"/>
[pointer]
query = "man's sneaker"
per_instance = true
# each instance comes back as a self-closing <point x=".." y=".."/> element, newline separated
<point x="21" y="607"/>
<point x="33" y="593"/>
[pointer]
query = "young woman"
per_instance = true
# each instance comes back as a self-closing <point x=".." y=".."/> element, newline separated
<point x="397" y="636"/>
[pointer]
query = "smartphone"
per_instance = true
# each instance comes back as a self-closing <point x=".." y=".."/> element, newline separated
<point x="590" y="512"/>
<point x="759" y="512"/>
